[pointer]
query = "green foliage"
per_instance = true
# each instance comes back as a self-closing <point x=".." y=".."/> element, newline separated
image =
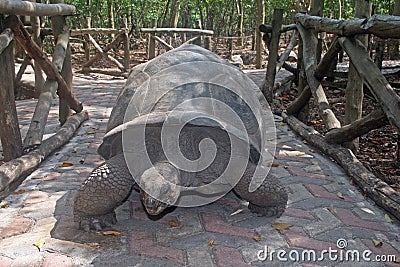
<point x="220" y="15"/>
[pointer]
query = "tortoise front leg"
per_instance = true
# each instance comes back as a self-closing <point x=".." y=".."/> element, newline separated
<point x="107" y="187"/>
<point x="269" y="199"/>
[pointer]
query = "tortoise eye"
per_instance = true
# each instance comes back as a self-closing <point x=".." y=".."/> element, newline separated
<point x="150" y="203"/>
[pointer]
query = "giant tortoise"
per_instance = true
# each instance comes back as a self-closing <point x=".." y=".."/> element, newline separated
<point x="185" y="130"/>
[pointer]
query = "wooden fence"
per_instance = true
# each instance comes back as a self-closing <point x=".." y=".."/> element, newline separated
<point x="194" y="34"/>
<point x="23" y="156"/>
<point x="316" y="70"/>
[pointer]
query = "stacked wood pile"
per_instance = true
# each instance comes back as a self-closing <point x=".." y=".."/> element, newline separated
<point x="23" y="156"/>
<point x="336" y="142"/>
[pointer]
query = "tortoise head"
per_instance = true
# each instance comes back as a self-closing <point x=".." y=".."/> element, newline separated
<point x="159" y="187"/>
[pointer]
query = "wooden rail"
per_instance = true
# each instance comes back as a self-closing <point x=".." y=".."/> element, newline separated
<point x="24" y="8"/>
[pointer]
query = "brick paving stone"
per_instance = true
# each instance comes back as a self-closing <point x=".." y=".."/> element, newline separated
<point x="199" y="258"/>
<point x="227" y="256"/>
<point x="57" y="260"/>
<point x="214" y="223"/>
<point x="348" y="218"/>
<point x="298" y="213"/>
<point x="18" y="226"/>
<point x="326" y="221"/>
<point x="36" y="197"/>
<point x="5" y="261"/>
<point x="297" y="193"/>
<point x="142" y="243"/>
<point x="300" y="172"/>
<point x="319" y="191"/>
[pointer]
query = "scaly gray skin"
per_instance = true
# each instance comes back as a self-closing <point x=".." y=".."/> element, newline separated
<point x="107" y="187"/>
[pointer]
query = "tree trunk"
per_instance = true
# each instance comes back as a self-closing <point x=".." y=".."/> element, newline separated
<point x="259" y="44"/>
<point x="394" y="44"/>
<point x="9" y="127"/>
<point x="240" y="20"/>
<point x="355" y="83"/>
<point x="175" y="13"/>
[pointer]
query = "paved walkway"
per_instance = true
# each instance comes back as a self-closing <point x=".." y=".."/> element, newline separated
<point x="323" y="208"/>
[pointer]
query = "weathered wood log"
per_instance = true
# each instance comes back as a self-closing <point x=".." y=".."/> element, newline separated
<point x="176" y="30"/>
<point x="9" y="127"/>
<point x="104" y="54"/>
<point x="289" y="48"/>
<point x="164" y="43"/>
<point x="383" y="26"/>
<point x="23" y="38"/>
<point x="23" y="8"/>
<point x="373" y="187"/>
<point x="376" y="82"/>
<point x="273" y="54"/>
<point x="12" y="173"/>
<point x="285" y="28"/>
<point x="77" y="32"/>
<point x="325" y="63"/>
<point x="5" y="39"/>
<point x="309" y="50"/>
<point x="296" y="105"/>
<point x="374" y="120"/>
<point x="36" y="128"/>
<point x="105" y="50"/>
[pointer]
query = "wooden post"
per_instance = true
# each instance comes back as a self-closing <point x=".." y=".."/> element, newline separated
<point x="9" y="127"/>
<point x="273" y="54"/>
<point x="39" y="119"/>
<point x="58" y="24"/>
<point x="39" y="79"/>
<point x="198" y="41"/>
<point x="355" y="83"/>
<point x="259" y="44"/>
<point x="126" y="44"/>
<point x="152" y="43"/>
<point x="310" y="59"/>
<point x="87" y="42"/>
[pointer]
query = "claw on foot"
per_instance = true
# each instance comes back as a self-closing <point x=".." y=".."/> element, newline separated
<point x="94" y="222"/>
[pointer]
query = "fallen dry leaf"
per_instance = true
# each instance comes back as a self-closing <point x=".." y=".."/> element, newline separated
<point x="377" y="243"/>
<point x="257" y="237"/>
<point x="367" y="210"/>
<point x="282" y="124"/>
<point x="211" y="242"/>
<point x="305" y="142"/>
<point x="3" y="205"/>
<point x="388" y="219"/>
<point x="274" y="164"/>
<point x="110" y="233"/>
<point x="90" y="132"/>
<point x="281" y="226"/>
<point x="38" y="177"/>
<point x="19" y="192"/>
<point x="353" y="182"/>
<point x="66" y="164"/>
<point x="312" y="150"/>
<point x="300" y="154"/>
<point x="340" y="195"/>
<point x="39" y="243"/>
<point x="74" y="150"/>
<point x="173" y="223"/>
<point x="236" y="212"/>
